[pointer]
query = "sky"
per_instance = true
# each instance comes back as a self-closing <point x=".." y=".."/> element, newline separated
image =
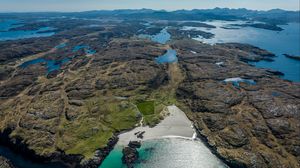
<point x="85" y="5"/>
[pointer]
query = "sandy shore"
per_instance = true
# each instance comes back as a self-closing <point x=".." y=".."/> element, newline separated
<point x="176" y="124"/>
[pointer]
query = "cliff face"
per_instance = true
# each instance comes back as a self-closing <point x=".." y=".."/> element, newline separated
<point x="251" y="125"/>
<point x="72" y="114"/>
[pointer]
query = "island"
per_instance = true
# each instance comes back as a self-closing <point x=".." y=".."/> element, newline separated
<point x="292" y="56"/>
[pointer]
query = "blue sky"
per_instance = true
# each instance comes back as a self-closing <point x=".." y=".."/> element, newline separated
<point x="84" y="5"/>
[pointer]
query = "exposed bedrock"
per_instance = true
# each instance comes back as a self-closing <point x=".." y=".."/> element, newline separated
<point x="251" y="125"/>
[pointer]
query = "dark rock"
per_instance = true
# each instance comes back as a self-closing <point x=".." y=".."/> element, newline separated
<point x="235" y="136"/>
<point x="76" y="102"/>
<point x="140" y="135"/>
<point x="130" y="155"/>
<point x="275" y="72"/>
<point x="100" y="154"/>
<point x="53" y="74"/>
<point x="134" y="144"/>
<point x="292" y="56"/>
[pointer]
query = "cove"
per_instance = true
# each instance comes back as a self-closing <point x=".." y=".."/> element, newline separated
<point x="171" y="143"/>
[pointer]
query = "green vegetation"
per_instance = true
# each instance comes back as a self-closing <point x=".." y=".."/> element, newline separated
<point x="146" y="107"/>
<point x="100" y="119"/>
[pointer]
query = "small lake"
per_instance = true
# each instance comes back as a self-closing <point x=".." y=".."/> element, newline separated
<point x="278" y="42"/>
<point x="168" y="153"/>
<point x="168" y="57"/>
<point x="6" y="34"/>
<point x="50" y="64"/>
<point x="162" y="37"/>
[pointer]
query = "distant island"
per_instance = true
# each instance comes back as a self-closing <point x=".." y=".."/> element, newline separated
<point x="292" y="56"/>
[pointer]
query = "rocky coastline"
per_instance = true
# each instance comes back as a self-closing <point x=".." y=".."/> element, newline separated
<point x="61" y="159"/>
<point x="72" y="115"/>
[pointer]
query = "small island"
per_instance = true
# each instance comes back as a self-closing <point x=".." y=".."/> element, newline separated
<point x="266" y="26"/>
<point x="296" y="57"/>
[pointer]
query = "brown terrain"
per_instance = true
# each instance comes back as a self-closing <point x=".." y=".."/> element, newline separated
<point x="74" y="114"/>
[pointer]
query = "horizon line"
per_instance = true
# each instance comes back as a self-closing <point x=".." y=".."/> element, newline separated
<point x="116" y="9"/>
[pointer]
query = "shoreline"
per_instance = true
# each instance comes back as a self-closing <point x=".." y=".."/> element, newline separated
<point x="168" y="129"/>
<point x="175" y="124"/>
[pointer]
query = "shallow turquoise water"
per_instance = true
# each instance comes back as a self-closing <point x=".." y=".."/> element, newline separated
<point x="168" y="153"/>
<point x="114" y="159"/>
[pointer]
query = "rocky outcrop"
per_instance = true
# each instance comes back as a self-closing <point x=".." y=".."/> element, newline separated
<point x="130" y="153"/>
<point x="253" y="125"/>
<point x="100" y="154"/>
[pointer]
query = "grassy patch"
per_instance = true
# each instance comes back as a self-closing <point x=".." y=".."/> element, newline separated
<point x="88" y="146"/>
<point x="100" y="119"/>
<point x="146" y="107"/>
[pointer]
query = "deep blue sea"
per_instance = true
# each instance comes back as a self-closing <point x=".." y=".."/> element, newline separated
<point x="278" y="42"/>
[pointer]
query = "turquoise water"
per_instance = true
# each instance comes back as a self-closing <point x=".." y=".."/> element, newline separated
<point x="113" y="160"/>
<point x="162" y="37"/>
<point x="283" y="42"/>
<point x="168" y="57"/>
<point x="6" y="34"/>
<point x="168" y="153"/>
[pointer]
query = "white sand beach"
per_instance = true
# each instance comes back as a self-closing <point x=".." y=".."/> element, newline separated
<point x="176" y="124"/>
